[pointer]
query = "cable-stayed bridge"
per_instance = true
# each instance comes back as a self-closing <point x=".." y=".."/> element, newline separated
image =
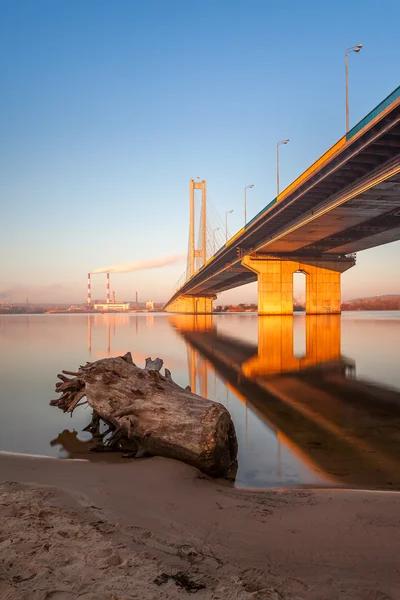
<point x="347" y="201"/>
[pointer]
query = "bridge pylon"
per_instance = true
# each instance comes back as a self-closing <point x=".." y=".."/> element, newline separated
<point x="201" y="253"/>
<point x="197" y="304"/>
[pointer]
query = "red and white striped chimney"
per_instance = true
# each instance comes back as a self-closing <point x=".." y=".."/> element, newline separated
<point x="89" y="292"/>
<point x="108" y="289"/>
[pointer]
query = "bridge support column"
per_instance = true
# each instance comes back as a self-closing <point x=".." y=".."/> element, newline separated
<point x="275" y="284"/>
<point x="322" y="290"/>
<point x="194" y="305"/>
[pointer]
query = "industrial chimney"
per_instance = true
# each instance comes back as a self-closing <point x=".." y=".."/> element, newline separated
<point x="108" y="289"/>
<point x="137" y="300"/>
<point x="89" y="292"/>
<point x="113" y="296"/>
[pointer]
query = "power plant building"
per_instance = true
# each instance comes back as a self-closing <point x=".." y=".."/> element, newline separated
<point x="113" y="306"/>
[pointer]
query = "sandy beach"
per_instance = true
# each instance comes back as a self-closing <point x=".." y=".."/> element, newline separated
<point x="144" y="529"/>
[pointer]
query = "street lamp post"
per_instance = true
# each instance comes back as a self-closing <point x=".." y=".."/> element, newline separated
<point x="226" y="223"/>
<point x="245" y="201"/>
<point x="217" y="229"/>
<point x="277" y="164"/>
<point x="352" y="49"/>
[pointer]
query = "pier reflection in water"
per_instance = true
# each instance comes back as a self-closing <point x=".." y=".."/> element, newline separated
<point x="341" y="430"/>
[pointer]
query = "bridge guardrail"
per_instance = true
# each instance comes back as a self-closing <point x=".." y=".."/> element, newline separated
<point x="374" y="113"/>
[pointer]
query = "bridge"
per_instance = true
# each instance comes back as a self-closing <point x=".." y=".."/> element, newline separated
<point x="345" y="202"/>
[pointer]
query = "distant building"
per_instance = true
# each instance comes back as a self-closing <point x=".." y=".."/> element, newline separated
<point x="113" y="306"/>
<point x="150" y="305"/>
<point x="77" y="308"/>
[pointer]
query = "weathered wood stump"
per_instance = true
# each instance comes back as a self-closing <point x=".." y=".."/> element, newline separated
<point x="147" y="413"/>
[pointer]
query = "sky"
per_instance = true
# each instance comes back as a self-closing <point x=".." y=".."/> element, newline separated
<point x="108" y="109"/>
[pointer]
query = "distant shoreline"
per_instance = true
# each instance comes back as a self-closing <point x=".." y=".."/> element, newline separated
<point x="344" y="308"/>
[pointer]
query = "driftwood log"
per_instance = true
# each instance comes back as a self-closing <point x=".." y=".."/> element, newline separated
<point x="148" y="413"/>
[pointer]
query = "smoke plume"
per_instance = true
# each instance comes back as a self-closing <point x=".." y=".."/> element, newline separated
<point x="141" y="265"/>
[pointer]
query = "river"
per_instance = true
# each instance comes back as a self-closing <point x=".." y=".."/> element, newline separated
<point x="315" y="400"/>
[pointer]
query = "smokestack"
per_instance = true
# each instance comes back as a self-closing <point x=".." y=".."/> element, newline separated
<point x="108" y="289"/>
<point x="113" y="296"/>
<point x="89" y="293"/>
<point x="137" y="300"/>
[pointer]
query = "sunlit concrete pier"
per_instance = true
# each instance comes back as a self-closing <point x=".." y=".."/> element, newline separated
<point x="275" y="284"/>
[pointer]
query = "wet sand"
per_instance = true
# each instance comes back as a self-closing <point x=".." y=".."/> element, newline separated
<point x="75" y="529"/>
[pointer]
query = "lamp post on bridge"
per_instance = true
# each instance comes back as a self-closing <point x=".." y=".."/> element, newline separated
<point x="277" y="163"/>
<point x="245" y="201"/>
<point x="352" y="49"/>
<point x="214" y="231"/>
<point x="226" y="223"/>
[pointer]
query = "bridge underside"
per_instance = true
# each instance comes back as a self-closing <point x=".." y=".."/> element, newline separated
<point x="370" y="218"/>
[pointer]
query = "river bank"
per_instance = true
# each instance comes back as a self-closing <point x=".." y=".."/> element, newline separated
<point x="74" y="529"/>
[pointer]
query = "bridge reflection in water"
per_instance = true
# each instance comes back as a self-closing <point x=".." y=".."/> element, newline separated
<point x="342" y="431"/>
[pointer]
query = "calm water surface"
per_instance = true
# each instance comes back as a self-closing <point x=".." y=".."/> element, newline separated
<point x="315" y="400"/>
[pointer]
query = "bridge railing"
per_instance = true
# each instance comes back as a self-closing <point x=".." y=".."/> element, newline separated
<point x="374" y="113"/>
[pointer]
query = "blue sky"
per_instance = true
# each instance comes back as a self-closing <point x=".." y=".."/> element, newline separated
<point x="108" y="109"/>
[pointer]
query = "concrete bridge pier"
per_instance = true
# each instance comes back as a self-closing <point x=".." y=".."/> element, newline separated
<point x="193" y="305"/>
<point x="275" y="284"/>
